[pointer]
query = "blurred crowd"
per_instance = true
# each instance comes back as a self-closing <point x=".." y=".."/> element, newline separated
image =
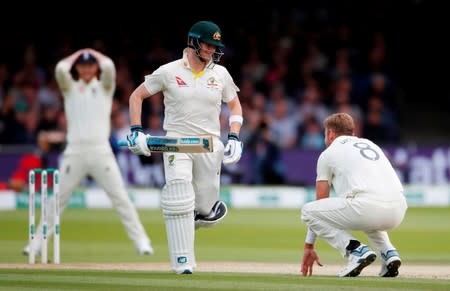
<point x="293" y="69"/>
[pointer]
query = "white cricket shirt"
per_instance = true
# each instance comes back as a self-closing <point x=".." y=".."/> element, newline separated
<point x="87" y="105"/>
<point x="192" y="101"/>
<point x="357" y="165"/>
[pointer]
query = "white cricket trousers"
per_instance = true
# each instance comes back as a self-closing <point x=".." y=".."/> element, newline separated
<point x="333" y="218"/>
<point x="101" y="165"/>
<point x="200" y="169"/>
<point x="192" y="183"/>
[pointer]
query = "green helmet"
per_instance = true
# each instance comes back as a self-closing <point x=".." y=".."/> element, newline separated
<point x="208" y="32"/>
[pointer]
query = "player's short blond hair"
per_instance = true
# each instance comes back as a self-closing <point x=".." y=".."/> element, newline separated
<point x="340" y="123"/>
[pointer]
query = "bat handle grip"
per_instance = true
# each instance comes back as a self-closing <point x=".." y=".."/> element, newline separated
<point x="122" y="143"/>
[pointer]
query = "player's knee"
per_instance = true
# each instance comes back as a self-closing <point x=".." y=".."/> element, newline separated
<point x="305" y="213"/>
<point x="177" y="198"/>
<point x="204" y="209"/>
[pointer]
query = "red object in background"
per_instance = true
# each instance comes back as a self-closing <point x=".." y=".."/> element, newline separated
<point x="27" y="162"/>
<point x="21" y="174"/>
<point x="3" y="185"/>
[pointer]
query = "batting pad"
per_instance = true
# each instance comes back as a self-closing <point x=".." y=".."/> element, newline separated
<point x="178" y="203"/>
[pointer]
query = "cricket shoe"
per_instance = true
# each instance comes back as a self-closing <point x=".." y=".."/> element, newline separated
<point x="144" y="248"/>
<point x="26" y="251"/>
<point x="186" y="271"/>
<point x="218" y="212"/>
<point x="358" y="259"/>
<point x="183" y="267"/>
<point x="390" y="263"/>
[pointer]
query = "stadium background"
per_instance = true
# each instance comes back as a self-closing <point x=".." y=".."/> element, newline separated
<point x="139" y="37"/>
<point x="378" y="60"/>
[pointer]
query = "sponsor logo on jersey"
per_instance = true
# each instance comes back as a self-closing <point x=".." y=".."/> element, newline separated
<point x="180" y="82"/>
<point x="171" y="160"/>
<point x="211" y="82"/>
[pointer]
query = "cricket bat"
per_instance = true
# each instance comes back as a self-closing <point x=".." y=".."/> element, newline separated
<point x="181" y="144"/>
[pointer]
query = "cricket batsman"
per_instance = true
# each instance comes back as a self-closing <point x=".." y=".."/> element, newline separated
<point x="194" y="88"/>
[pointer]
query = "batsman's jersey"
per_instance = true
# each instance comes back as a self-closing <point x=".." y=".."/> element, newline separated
<point x="87" y="105"/>
<point x="192" y="101"/>
<point x="355" y="165"/>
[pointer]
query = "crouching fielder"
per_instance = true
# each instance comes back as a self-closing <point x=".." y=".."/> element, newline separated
<point x="194" y="88"/>
<point x="370" y="199"/>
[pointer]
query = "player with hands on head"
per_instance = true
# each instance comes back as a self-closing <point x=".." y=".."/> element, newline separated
<point x="369" y="199"/>
<point x="194" y="88"/>
<point x="86" y="79"/>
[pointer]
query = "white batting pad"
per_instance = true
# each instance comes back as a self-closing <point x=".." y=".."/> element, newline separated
<point x="178" y="203"/>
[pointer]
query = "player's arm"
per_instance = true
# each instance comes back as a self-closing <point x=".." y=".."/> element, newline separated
<point x="135" y="102"/>
<point x="137" y="140"/>
<point x="108" y="70"/>
<point x="324" y="176"/>
<point x="322" y="190"/>
<point x="236" y="120"/>
<point x="233" y="149"/>
<point x="310" y="256"/>
<point x="62" y="70"/>
<point x="153" y="83"/>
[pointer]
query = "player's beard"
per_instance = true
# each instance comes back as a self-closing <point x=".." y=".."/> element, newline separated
<point x="203" y="59"/>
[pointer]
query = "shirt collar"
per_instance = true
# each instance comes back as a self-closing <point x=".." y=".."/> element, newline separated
<point x="186" y="61"/>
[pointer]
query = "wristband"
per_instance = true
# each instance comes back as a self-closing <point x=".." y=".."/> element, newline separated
<point x="310" y="237"/>
<point x="134" y="128"/>
<point x="236" y="118"/>
<point x="233" y="136"/>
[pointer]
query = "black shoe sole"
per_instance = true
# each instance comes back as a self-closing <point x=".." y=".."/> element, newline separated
<point x="392" y="269"/>
<point x="219" y="213"/>
<point x="369" y="260"/>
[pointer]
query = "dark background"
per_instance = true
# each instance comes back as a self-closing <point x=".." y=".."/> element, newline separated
<point x="416" y="31"/>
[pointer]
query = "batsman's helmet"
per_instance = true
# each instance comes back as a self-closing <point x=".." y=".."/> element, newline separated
<point x="207" y="32"/>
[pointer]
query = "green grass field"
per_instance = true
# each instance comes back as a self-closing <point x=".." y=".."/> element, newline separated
<point x="246" y="235"/>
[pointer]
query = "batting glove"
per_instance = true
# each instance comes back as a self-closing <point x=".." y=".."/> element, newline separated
<point x="137" y="141"/>
<point x="233" y="149"/>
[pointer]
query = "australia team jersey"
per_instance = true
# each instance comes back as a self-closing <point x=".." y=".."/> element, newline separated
<point x="192" y="101"/>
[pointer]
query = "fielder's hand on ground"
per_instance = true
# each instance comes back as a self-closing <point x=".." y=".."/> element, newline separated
<point x="233" y="150"/>
<point x="137" y="141"/>
<point x="309" y="257"/>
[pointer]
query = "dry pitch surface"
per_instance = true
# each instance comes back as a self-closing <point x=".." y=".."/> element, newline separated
<point x="406" y="271"/>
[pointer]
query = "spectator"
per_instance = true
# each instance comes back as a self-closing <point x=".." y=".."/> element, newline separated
<point x="265" y="158"/>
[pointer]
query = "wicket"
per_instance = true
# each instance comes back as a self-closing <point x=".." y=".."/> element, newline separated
<point x="44" y="212"/>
